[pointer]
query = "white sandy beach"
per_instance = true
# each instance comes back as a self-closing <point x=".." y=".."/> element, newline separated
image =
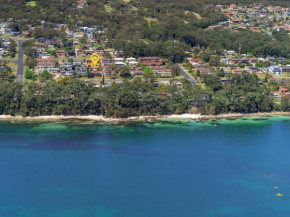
<point x="96" y="118"/>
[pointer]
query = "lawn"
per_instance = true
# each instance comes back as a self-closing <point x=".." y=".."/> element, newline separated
<point x="50" y="49"/>
<point x="31" y="3"/>
<point x="285" y="75"/>
<point x="5" y="35"/>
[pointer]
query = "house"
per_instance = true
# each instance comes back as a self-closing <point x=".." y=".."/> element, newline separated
<point x="177" y="83"/>
<point x="105" y="62"/>
<point x="253" y="60"/>
<point x="281" y="59"/>
<point x="80" y="69"/>
<point x="49" y="42"/>
<point x="68" y="44"/>
<point x="25" y="34"/>
<point x="275" y="70"/>
<point x="224" y="80"/>
<point x="236" y="21"/>
<point x="39" y="45"/>
<point x="256" y="29"/>
<point x="160" y="71"/>
<point x="234" y="61"/>
<point x="285" y="69"/>
<point x="119" y="62"/>
<point x="89" y="52"/>
<point x="253" y="70"/>
<point x="231" y="53"/>
<point x="132" y="61"/>
<point x="276" y="96"/>
<point x="166" y="83"/>
<point x="237" y="71"/>
<point x="283" y="91"/>
<point x="205" y="71"/>
<point x="13" y="34"/>
<point x="48" y="64"/>
<point x="71" y="53"/>
<point x="77" y="61"/>
<point x="100" y="50"/>
<point x="45" y="62"/>
<point x="137" y="71"/>
<point x="201" y="66"/>
<point x="270" y="59"/>
<point x="150" y="61"/>
<point x="60" y="53"/>
<point x="109" y="72"/>
<point x="79" y="51"/>
<point x="224" y="60"/>
<point x="215" y="27"/>
<point x="233" y="5"/>
<point x="88" y="62"/>
<point x="96" y="72"/>
<point x="43" y="55"/>
<point x="195" y="61"/>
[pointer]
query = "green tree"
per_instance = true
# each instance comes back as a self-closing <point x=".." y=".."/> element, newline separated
<point x="45" y="75"/>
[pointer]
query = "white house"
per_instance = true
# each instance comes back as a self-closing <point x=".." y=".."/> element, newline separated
<point x="275" y="70"/>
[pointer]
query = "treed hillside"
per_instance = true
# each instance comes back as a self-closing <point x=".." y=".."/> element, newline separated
<point x="165" y="28"/>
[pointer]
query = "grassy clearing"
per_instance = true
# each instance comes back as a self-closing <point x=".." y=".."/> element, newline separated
<point x="195" y="14"/>
<point x="31" y="3"/>
<point x="50" y="49"/>
<point x="150" y="19"/>
<point x="13" y="66"/>
<point x="285" y="75"/>
<point x="5" y="35"/>
<point x="108" y="8"/>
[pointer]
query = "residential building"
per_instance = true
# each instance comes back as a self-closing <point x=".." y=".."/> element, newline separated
<point x="195" y="61"/>
<point x="275" y="70"/>
<point x="285" y="69"/>
<point x="39" y="45"/>
<point x="284" y="91"/>
<point x="105" y="62"/>
<point x="79" y="51"/>
<point x="161" y="71"/>
<point x="60" y="53"/>
<point x="150" y="61"/>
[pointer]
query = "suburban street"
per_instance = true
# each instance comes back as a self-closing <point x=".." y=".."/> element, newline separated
<point x="20" y="63"/>
<point x="183" y="73"/>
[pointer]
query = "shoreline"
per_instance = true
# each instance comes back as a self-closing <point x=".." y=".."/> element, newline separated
<point x="102" y="119"/>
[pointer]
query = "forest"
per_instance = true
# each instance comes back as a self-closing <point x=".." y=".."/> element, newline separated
<point x="165" y="28"/>
<point x="71" y="96"/>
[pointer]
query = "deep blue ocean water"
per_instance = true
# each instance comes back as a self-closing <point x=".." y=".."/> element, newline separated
<point x="211" y="169"/>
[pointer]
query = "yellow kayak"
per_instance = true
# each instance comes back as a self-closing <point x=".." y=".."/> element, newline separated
<point x="279" y="195"/>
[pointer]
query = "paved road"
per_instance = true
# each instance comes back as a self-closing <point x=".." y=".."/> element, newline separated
<point x="183" y="73"/>
<point x="20" y="62"/>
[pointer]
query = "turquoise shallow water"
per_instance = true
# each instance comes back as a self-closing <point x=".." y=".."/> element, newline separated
<point x="164" y="169"/>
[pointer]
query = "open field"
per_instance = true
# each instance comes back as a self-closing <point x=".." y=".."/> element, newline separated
<point x="31" y="3"/>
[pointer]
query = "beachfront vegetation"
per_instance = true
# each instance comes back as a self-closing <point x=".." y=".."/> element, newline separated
<point x="70" y="96"/>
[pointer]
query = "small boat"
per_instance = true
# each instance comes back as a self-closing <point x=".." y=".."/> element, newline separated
<point x="276" y="187"/>
<point x="279" y="195"/>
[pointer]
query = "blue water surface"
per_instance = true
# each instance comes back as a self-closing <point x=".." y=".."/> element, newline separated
<point x="180" y="169"/>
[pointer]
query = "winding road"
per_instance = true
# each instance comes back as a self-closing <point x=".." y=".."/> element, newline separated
<point x="186" y="76"/>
